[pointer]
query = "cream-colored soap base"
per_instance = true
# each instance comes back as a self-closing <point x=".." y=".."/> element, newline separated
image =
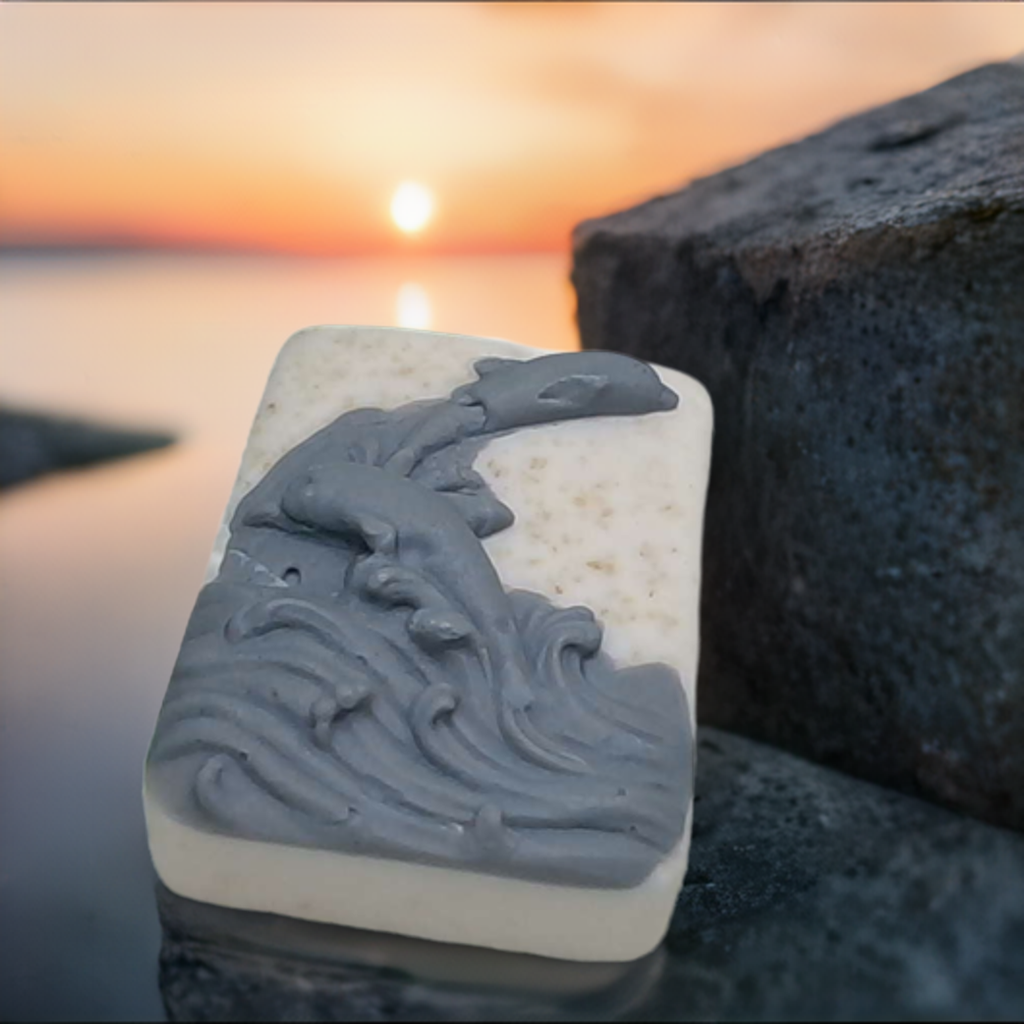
<point x="566" y="922"/>
<point x="608" y="515"/>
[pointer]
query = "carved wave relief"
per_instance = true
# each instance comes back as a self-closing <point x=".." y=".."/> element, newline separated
<point x="357" y="678"/>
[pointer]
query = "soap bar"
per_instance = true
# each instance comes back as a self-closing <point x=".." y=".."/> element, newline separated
<point x="440" y="680"/>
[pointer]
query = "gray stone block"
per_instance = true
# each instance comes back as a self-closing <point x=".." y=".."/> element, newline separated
<point x="854" y="303"/>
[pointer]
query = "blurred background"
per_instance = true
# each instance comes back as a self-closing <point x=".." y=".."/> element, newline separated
<point x="182" y="186"/>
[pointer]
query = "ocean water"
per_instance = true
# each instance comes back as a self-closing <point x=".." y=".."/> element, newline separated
<point x="99" y="568"/>
<point x="186" y="341"/>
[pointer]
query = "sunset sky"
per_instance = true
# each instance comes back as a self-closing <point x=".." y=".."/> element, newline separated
<point x="290" y="126"/>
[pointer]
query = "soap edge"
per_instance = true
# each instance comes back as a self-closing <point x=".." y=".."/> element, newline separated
<point x="375" y="894"/>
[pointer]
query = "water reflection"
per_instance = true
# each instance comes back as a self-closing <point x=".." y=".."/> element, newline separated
<point x="185" y="342"/>
<point x="412" y="307"/>
<point x="221" y="964"/>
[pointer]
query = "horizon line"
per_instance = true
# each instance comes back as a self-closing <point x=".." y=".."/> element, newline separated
<point x="119" y="246"/>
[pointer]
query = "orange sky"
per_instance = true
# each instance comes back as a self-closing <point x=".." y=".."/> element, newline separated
<point x="288" y="126"/>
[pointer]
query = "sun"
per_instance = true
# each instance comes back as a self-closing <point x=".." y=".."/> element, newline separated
<point x="412" y="206"/>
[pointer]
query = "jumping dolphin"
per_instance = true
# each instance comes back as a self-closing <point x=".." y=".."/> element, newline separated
<point x="356" y="565"/>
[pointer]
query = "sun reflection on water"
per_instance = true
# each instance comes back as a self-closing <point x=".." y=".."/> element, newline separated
<point x="412" y="307"/>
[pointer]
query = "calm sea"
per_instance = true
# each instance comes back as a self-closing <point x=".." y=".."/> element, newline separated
<point x="99" y="568"/>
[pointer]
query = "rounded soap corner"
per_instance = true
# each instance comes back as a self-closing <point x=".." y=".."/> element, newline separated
<point x="687" y="387"/>
<point x="651" y="947"/>
<point x="300" y="337"/>
<point x="294" y="340"/>
<point x="702" y="396"/>
<point x="650" y="942"/>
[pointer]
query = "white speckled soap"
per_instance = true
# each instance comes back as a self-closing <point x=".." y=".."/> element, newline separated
<point x="608" y="514"/>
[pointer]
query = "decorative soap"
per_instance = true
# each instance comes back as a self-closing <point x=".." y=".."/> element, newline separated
<point x="441" y="678"/>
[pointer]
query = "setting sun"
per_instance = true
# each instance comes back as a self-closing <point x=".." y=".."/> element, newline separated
<point x="435" y="128"/>
<point x="411" y="206"/>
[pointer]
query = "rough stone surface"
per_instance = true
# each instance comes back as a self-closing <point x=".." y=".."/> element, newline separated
<point x="854" y="303"/>
<point x="811" y="895"/>
<point x="33" y="444"/>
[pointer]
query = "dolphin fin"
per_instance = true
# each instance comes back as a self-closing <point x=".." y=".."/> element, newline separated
<point x="492" y="364"/>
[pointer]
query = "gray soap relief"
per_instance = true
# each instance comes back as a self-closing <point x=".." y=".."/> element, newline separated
<point x="357" y="678"/>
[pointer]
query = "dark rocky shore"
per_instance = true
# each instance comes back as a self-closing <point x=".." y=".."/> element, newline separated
<point x="33" y="444"/>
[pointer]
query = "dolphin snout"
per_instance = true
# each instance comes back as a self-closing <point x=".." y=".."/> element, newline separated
<point x="667" y="398"/>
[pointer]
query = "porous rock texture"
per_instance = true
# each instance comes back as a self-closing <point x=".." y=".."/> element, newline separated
<point x="854" y="303"/>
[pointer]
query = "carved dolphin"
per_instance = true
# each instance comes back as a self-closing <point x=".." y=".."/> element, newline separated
<point x="565" y="386"/>
<point x="358" y="652"/>
<point x="387" y="513"/>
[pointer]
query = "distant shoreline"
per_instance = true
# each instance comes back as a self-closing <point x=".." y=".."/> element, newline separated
<point x="41" y="250"/>
<point x="35" y="444"/>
